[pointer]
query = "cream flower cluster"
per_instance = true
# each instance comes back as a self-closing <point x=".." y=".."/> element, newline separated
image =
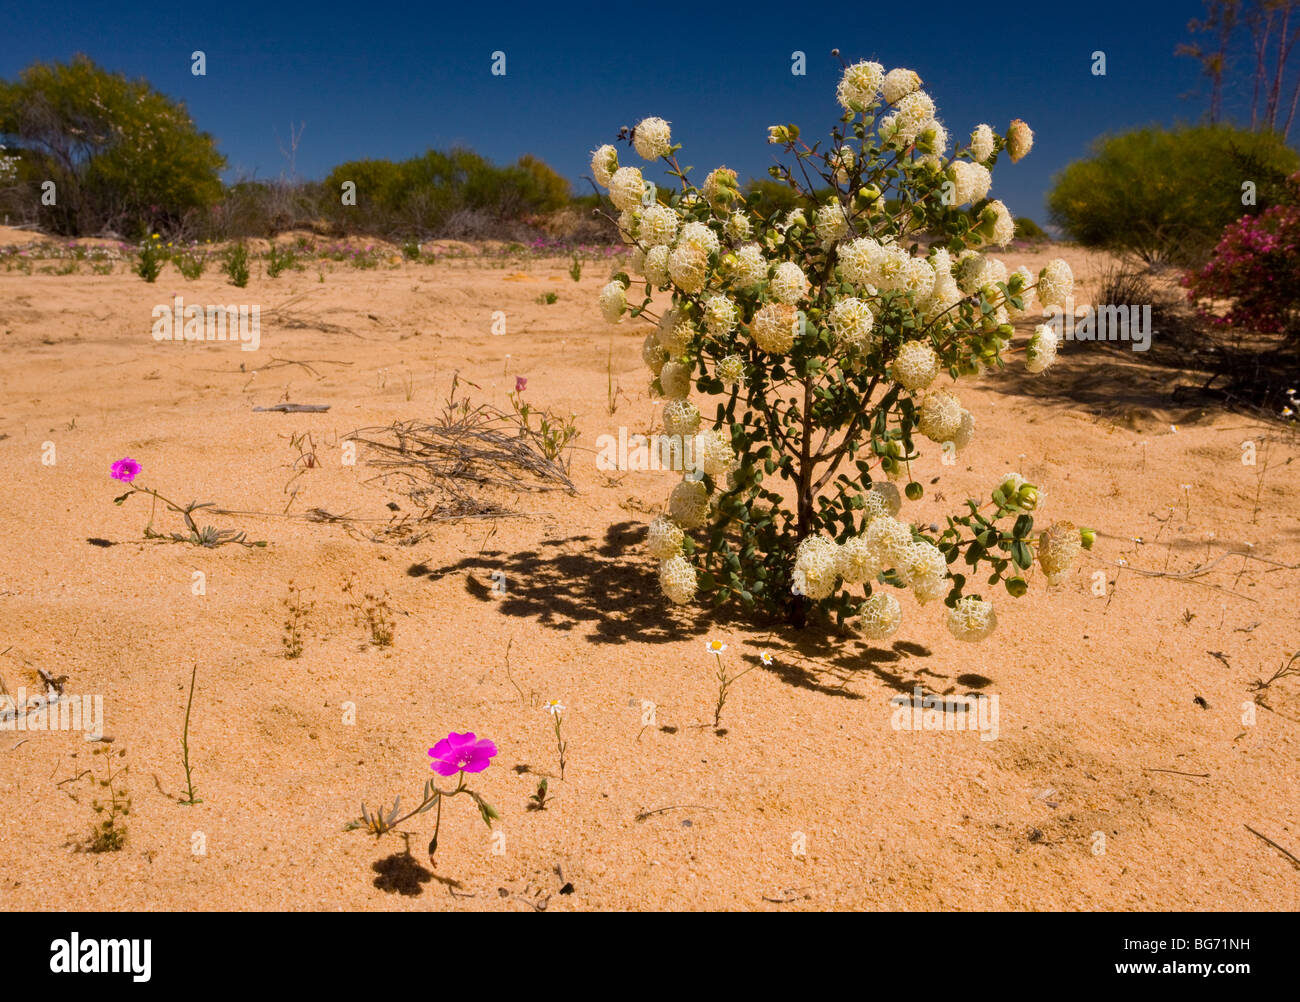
<point x="743" y="297"/>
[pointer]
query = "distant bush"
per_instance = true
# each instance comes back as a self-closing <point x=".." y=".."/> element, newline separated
<point x="429" y="193"/>
<point x="121" y="155"/>
<point x="1255" y="268"/>
<point x="1166" y="195"/>
<point x="1027" y="229"/>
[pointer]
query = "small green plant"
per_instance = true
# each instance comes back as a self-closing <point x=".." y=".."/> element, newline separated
<point x="612" y="390"/>
<point x="548" y="298"/>
<point x="454" y="755"/>
<point x="277" y="260"/>
<point x="127" y="469"/>
<point x="575" y="269"/>
<point x="372" y="612"/>
<point x="295" y="621"/>
<point x="236" y="265"/>
<point x="152" y="258"/>
<point x="556" y="709"/>
<point x="725" y="681"/>
<point x="411" y="249"/>
<point x="190" y="262"/>
<point x="552" y="435"/>
<point x="191" y="795"/>
<point x="537" y="802"/>
<point x="109" y="835"/>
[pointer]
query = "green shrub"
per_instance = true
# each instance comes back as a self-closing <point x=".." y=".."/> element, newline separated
<point x="236" y="266"/>
<point x="152" y="258"/>
<point x="1166" y="195"/>
<point x="1028" y="230"/>
<point x="121" y="154"/>
<point x="278" y="260"/>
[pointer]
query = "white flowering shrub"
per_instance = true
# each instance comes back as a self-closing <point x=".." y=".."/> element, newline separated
<point x="826" y="344"/>
<point x="8" y="166"/>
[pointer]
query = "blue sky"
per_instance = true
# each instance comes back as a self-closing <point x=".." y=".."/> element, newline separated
<point x="370" y="82"/>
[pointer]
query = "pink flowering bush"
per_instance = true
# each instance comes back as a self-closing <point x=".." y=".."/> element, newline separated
<point x="1253" y="277"/>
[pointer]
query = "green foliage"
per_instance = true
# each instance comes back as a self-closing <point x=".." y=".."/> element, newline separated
<point x="278" y="259"/>
<point x="421" y="194"/>
<point x="236" y="264"/>
<point x="152" y="258"/>
<point x="1167" y="194"/>
<point x="190" y="262"/>
<point x="121" y="154"/>
<point x="1030" y="231"/>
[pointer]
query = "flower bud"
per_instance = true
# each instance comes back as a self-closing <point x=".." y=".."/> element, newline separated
<point x="1027" y="497"/>
<point x="1087" y="537"/>
<point x="1016" y="586"/>
<point x="914" y="491"/>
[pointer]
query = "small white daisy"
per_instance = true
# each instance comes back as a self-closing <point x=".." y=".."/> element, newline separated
<point x="766" y="658"/>
<point x="715" y="646"/>
<point x="554" y="706"/>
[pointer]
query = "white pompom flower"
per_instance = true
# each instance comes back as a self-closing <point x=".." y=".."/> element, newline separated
<point x="681" y="417"/>
<point x="860" y="85"/>
<point x="664" y="538"/>
<point x="720" y="316"/>
<point x="613" y="301"/>
<point x="1004" y="226"/>
<point x="675" y="380"/>
<point x="898" y="83"/>
<point x="982" y="143"/>
<point x="881" y="616"/>
<point x="852" y="320"/>
<point x="688" y="504"/>
<point x="916" y="366"/>
<point x="652" y="138"/>
<point x="700" y="236"/>
<point x="688" y="267"/>
<point x="858" y="260"/>
<point x="677" y="580"/>
<point x="1055" y="283"/>
<point x="625" y="188"/>
<point x="653" y="354"/>
<point x="971" y="619"/>
<point x="789" y="285"/>
<point x="750" y="267"/>
<point x="859" y="562"/>
<point x="731" y="370"/>
<point x="775" y="327"/>
<point x="1041" y="350"/>
<point x="656" y="266"/>
<point x="816" y="567"/>
<point x="604" y="162"/>
<point x="1020" y="140"/>
<point x="939" y="416"/>
<point x="656" y="225"/>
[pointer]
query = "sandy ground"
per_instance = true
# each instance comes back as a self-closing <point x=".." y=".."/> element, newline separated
<point x="1128" y="763"/>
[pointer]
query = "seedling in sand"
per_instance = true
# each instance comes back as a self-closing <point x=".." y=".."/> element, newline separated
<point x="373" y="612"/>
<point x="717" y="648"/>
<point x="295" y="620"/>
<point x="575" y="269"/>
<point x="537" y="802"/>
<point x="556" y="709"/>
<point x="109" y="835"/>
<point x="191" y="795"/>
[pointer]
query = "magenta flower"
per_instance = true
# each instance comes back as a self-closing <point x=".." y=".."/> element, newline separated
<point x="520" y="384"/>
<point x="461" y="753"/>
<point x="125" y="470"/>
